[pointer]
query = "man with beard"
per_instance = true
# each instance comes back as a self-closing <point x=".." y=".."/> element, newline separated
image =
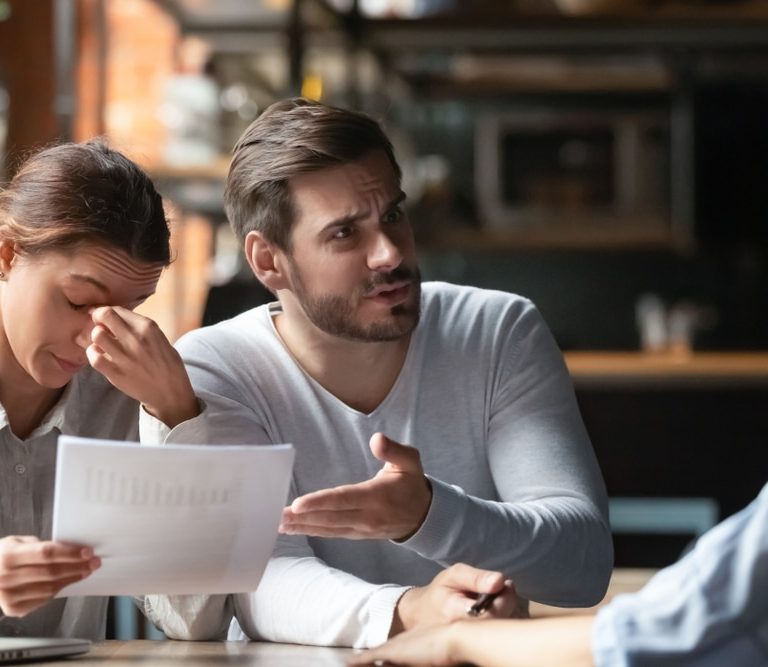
<point x="434" y="424"/>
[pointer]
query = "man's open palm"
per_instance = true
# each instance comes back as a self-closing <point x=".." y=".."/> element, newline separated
<point x="391" y="505"/>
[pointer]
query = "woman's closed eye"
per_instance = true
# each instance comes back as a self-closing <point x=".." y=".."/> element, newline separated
<point x="77" y="306"/>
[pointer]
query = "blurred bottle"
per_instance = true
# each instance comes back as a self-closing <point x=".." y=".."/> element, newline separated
<point x="191" y="108"/>
<point x="670" y="330"/>
<point x="651" y="319"/>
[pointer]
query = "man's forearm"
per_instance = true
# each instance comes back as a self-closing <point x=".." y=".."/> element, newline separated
<point x="532" y="541"/>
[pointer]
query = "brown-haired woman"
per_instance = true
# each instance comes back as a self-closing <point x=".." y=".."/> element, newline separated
<point x="83" y="241"/>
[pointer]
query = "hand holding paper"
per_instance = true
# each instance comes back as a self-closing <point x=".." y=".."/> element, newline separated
<point x="174" y="519"/>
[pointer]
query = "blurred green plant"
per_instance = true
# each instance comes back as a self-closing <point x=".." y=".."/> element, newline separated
<point x="5" y="9"/>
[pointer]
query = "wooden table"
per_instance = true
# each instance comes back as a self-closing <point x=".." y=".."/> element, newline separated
<point x="265" y="654"/>
<point x="623" y="580"/>
<point x="201" y="654"/>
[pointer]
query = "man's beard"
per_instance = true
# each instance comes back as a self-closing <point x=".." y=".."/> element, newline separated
<point x="335" y="313"/>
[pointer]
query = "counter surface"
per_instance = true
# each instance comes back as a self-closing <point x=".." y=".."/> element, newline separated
<point x="598" y="369"/>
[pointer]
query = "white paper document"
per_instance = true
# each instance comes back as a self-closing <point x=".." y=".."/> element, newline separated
<point x="170" y="519"/>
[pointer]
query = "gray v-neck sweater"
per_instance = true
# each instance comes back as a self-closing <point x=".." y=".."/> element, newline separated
<point x="483" y="395"/>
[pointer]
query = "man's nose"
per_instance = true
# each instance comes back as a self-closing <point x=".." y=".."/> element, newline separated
<point x="384" y="254"/>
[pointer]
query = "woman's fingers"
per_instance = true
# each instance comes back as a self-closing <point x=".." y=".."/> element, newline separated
<point x="21" y="602"/>
<point x="32" y="574"/>
<point x="25" y="550"/>
<point x="33" y="571"/>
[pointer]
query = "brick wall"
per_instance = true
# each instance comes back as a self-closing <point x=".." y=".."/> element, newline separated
<point x="127" y="51"/>
<point x="27" y="71"/>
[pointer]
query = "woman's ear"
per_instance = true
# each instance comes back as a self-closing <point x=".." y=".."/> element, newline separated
<point x="7" y="255"/>
<point x="266" y="262"/>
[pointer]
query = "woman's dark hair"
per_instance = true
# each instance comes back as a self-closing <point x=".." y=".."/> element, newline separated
<point x="71" y="194"/>
<point x="292" y="137"/>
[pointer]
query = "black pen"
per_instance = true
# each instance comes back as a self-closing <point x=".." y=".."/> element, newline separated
<point x="484" y="601"/>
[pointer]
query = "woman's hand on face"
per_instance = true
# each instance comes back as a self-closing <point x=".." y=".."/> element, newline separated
<point x="33" y="571"/>
<point x="132" y="352"/>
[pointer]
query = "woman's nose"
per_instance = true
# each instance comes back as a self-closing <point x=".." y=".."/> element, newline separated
<point x="83" y="335"/>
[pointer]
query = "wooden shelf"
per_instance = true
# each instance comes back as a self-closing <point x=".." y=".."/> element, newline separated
<point x="697" y="369"/>
<point x="575" y="237"/>
<point x="705" y="32"/>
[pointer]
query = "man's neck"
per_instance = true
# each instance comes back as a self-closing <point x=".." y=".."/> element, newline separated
<point x="360" y="374"/>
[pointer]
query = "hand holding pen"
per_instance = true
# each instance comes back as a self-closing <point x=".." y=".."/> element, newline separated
<point x="484" y="601"/>
<point x="451" y="594"/>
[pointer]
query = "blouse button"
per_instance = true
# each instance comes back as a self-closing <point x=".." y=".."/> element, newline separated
<point x="20" y="468"/>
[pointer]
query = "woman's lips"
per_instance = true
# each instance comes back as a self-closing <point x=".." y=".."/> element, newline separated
<point x="68" y="366"/>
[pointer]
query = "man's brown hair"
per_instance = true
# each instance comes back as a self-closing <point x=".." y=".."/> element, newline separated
<point x="293" y="136"/>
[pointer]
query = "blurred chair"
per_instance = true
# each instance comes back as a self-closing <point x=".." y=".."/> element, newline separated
<point x="689" y="516"/>
<point x="233" y="298"/>
<point x="125" y="621"/>
<point x="654" y="532"/>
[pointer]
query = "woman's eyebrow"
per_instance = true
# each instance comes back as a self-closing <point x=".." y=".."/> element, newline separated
<point x="89" y="279"/>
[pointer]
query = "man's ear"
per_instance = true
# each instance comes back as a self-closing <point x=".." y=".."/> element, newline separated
<point x="266" y="261"/>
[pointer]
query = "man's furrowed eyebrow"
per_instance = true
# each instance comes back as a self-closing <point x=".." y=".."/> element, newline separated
<point x="352" y="218"/>
<point x="399" y="199"/>
<point x="349" y="219"/>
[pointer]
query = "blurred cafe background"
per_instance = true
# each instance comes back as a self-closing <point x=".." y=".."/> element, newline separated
<point x="606" y="158"/>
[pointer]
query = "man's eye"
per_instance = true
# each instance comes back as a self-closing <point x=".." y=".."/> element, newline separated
<point x="395" y="215"/>
<point x="343" y="232"/>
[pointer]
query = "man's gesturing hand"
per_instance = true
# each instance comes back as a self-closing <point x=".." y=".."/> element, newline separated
<point x="391" y="505"/>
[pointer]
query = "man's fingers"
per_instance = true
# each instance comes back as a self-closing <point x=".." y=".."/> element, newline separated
<point x="347" y="533"/>
<point x="346" y="497"/>
<point x="331" y="524"/>
<point x="325" y="519"/>
<point x="511" y="606"/>
<point x="402" y="457"/>
<point x="467" y="578"/>
<point x="505" y="605"/>
<point x="508" y="605"/>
